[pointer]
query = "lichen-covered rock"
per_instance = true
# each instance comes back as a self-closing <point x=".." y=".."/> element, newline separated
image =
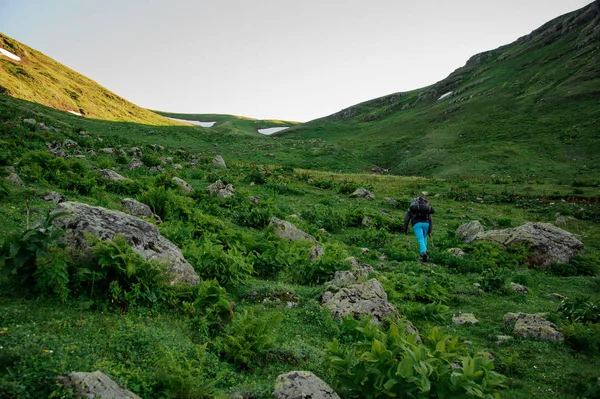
<point x="111" y="175"/>
<point x="357" y="300"/>
<point x="456" y="252"/>
<point x="135" y="163"/>
<point x="363" y="193"/>
<point x="177" y="166"/>
<point x="95" y="385"/>
<point x="518" y="288"/>
<point x="221" y="189"/>
<point x="136" y="151"/>
<point x="53" y="196"/>
<point x="254" y="199"/>
<point x="219" y="161"/>
<point x="302" y="385"/>
<point x="29" y="121"/>
<point x="468" y="232"/>
<point x="547" y="243"/>
<point x="315" y="252"/>
<point x="14" y="179"/>
<point x="359" y="269"/>
<point x="144" y="238"/>
<point x="533" y="326"/>
<point x="288" y="231"/>
<point x="464" y="318"/>
<point x="107" y="151"/>
<point x="185" y="186"/>
<point x="341" y="279"/>
<point x="390" y="201"/>
<point x="136" y="208"/>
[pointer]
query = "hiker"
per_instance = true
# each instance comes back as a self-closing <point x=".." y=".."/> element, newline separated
<point x="420" y="214"/>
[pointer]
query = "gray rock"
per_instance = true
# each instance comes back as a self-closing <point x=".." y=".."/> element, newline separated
<point x="288" y="231"/>
<point x="562" y="220"/>
<point x="177" y="166"/>
<point x="390" y="201"/>
<point x="363" y="193"/>
<point x="156" y="169"/>
<point x="359" y="269"/>
<point x="136" y="151"/>
<point x="341" y="279"/>
<point x="456" y="252"/>
<point x="221" y="189"/>
<point x="108" y="151"/>
<point x="136" y="208"/>
<point x="357" y="300"/>
<point x="468" y="232"/>
<point x="533" y="326"/>
<point x="558" y="296"/>
<point x="14" y="179"/>
<point x="111" y="175"/>
<point x="53" y="196"/>
<point x="29" y="121"/>
<point x="95" y="385"/>
<point x="367" y="221"/>
<point x="547" y="243"/>
<point x="254" y="199"/>
<point x="144" y="237"/>
<point x="315" y="252"/>
<point x="182" y="184"/>
<point x="518" y="288"/>
<point x="364" y="250"/>
<point x="302" y="385"/>
<point x="464" y="318"/>
<point x="134" y="164"/>
<point x="219" y="161"/>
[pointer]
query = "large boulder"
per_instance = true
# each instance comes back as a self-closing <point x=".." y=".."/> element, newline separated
<point x="95" y="385"/>
<point x="469" y="231"/>
<point x="113" y="176"/>
<point x="136" y="208"/>
<point x="302" y="385"/>
<point x="357" y="300"/>
<point x="219" y="161"/>
<point x="363" y="193"/>
<point x="288" y="231"/>
<point x="185" y="186"/>
<point x="221" y="189"/>
<point x="533" y="326"/>
<point x="144" y="238"/>
<point x="547" y="243"/>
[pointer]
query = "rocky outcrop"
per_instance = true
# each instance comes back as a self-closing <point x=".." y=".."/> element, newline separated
<point x="302" y="385"/>
<point x="547" y="243"/>
<point x="95" y="385"/>
<point x="14" y="179"/>
<point x="144" y="237"/>
<point x="111" y="175"/>
<point x="357" y="300"/>
<point x="533" y="326"/>
<point x="468" y="232"/>
<point x="456" y="252"/>
<point x="136" y="151"/>
<point x="136" y="208"/>
<point x="185" y="186"/>
<point x="464" y="318"/>
<point x="53" y="196"/>
<point x="219" y="161"/>
<point x="134" y="164"/>
<point x="288" y="231"/>
<point x="363" y="193"/>
<point x="221" y="189"/>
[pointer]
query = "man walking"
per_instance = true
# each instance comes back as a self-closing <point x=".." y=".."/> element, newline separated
<point x="419" y="212"/>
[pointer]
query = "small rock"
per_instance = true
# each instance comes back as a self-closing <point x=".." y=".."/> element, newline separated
<point x="177" y="166"/>
<point x="219" y="161"/>
<point x="315" y="252"/>
<point x="29" y="121"/>
<point x="254" y="199"/>
<point x="14" y="179"/>
<point x="456" y="252"/>
<point x="363" y="193"/>
<point x="302" y="385"/>
<point x="108" y="151"/>
<point x="53" y="196"/>
<point x="136" y="151"/>
<point x="464" y="318"/>
<point x="383" y="257"/>
<point x="222" y="190"/>
<point x="367" y="221"/>
<point x="135" y="163"/>
<point x="558" y="296"/>
<point x="518" y="288"/>
<point x="182" y="184"/>
<point x="503" y="338"/>
<point x="364" y="250"/>
<point x="111" y="175"/>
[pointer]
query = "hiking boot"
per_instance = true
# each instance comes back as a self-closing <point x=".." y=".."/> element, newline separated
<point x="425" y="257"/>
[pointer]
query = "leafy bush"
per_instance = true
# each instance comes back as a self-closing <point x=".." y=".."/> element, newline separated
<point x="4" y="189"/>
<point x="494" y="280"/>
<point x="581" y="310"/>
<point x="347" y="187"/>
<point x="580" y="265"/>
<point x="256" y="175"/>
<point x="434" y="312"/>
<point x="432" y="288"/>
<point x="125" y="187"/>
<point x="370" y="238"/>
<point x="210" y="303"/>
<point x="250" y="337"/>
<point x="385" y="364"/>
<point x="230" y="267"/>
<point x="168" y="204"/>
<point x="583" y="336"/>
<point x="284" y="188"/>
<point x="150" y="160"/>
<point x="179" y="376"/>
<point x="321" y="270"/>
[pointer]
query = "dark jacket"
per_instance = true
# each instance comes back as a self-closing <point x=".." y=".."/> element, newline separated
<point x="419" y="219"/>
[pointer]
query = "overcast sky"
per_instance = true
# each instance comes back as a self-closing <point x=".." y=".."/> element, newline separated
<point x="279" y="59"/>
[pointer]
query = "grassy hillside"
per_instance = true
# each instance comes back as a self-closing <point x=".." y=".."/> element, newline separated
<point x="60" y="314"/>
<point x="530" y="107"/>
<point x="231" y="123"/>
<point x="40" y="79"/>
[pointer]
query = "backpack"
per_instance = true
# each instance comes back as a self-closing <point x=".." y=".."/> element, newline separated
<point x="419" y="207"/>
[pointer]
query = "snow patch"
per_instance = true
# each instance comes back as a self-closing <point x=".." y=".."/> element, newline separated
<point x="197" y="123"/>
<point x="445" y="96"/>
<point x="271" y="130"/>
<point x="74" y="113"/>
<point x="10" y="55"/>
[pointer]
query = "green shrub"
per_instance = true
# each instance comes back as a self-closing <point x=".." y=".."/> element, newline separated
<point x="168" y="204"/>
<point x="321" y="270"/>
<point x="284" y="188"/>
<point x="230" y="267"/>
<point x="583" y="337"/>
<point x="390" y="364"/>
<point x="4" y="188"/>
<point x="434" y="312"/>
<point x="180" y="377"/>
<point x="210" y="304"/>
<point x="432" y="288"/>
<point x="250" y="337"/>
<point x="580" y="265"/>
<point x="150" y="160"/>
<point x="125" y="187"/>
<point x="494" y="280"/>
<point x="370" y="238"/>
<point x="256" y="175"/>
<point x="347" y="187"/>
<point x="580" y="309"/>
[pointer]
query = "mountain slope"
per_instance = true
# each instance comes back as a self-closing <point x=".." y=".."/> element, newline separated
<point x="531" y="107"/>
<point x="38" y="78"/>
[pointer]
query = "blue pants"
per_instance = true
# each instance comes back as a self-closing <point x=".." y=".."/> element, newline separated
<point x="421" y="230"/>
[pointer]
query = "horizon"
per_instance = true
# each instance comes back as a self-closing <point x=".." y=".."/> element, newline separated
<point x="315" y="69"/>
